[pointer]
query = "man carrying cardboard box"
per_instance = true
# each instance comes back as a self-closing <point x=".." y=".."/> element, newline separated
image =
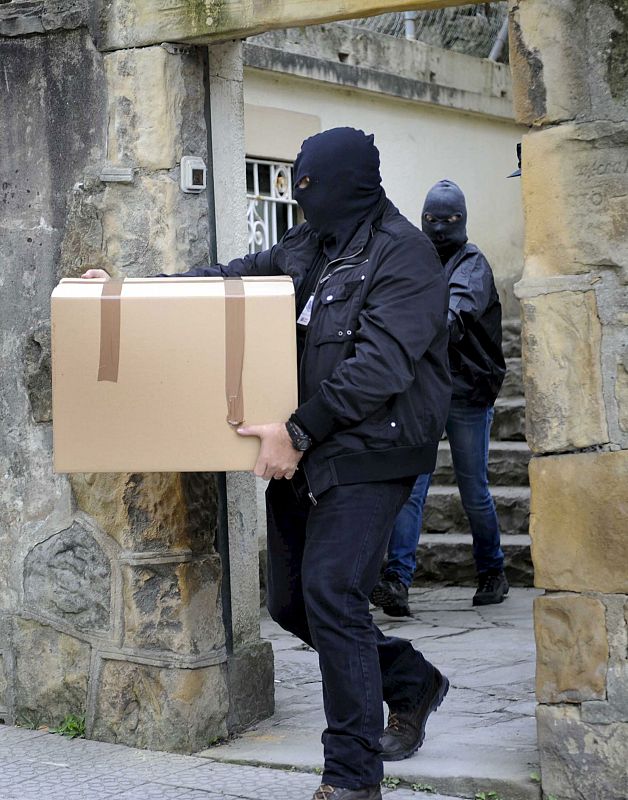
<point x="374" y="392"/>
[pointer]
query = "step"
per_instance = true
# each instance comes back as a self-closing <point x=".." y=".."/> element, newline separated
<point x="509" y="419"/>
<point x="448" y="559"/>
<point x="443" y="511"/>
<point x="513" y="381"/>
<point x="507" y="464"/>
<point x="511" y="338"/>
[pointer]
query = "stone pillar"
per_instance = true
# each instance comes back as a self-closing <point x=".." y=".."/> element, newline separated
<point x="569" y="71"/>
<point x="251" y="660"/>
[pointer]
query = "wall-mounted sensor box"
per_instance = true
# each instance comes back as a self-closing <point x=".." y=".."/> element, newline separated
<point x="193" y="174"/>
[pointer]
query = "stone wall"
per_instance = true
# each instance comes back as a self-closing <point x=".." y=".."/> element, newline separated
<point x="570" y="83"/>
<point x="110" y="585"/>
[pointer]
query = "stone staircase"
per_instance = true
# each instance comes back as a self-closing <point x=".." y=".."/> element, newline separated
<point x="444" y="554"/>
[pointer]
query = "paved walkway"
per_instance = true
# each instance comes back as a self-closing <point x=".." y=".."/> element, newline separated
<point x="482" y="738"/>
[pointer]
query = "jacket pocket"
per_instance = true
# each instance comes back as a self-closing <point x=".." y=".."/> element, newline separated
<point x="337" y="315"/>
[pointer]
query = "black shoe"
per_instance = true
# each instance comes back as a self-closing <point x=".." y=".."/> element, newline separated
<point x="391" y="595"/>
<point x="327" y="792"/>
<point x="492" y="588"/>
<point x="405" y="731"/>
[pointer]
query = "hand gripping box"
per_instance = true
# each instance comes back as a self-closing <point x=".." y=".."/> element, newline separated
<point x="154" y="375"/>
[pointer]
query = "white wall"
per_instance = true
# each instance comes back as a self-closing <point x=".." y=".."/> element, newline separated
<point x="419" y="144"/>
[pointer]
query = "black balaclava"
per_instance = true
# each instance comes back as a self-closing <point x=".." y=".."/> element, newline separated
<point x="344" y="191"/>
<point x="444" y="202"/>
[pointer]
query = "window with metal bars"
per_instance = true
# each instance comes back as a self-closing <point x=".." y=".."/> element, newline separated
<point x="271" y="209"/>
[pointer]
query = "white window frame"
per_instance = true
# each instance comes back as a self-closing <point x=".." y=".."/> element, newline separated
<point x="262" y="208"/>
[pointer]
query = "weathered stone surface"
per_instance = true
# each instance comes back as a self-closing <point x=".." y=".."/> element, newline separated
<point x="562" y="370"/>
<point x="580" y="761"/>
<point x="173" y="607"/>
<point x="571" y="649"/>
<point x="250" y="665"/>
<point x="132" y="23"/>
<point x="575" y="180"/>
<point x="3" y="684"/>
<point x="180" y="710"/>
<point x="579" y="535"/>
<point x="563" y="71"/>
<point x="621" y="391"/>
<point x="448" y="559"/>
<point x="420" y="71"/>
<point x="152" y="511"/>
<point x="511" y="338"/>
<point x="615" y="707"/>
<point x="51" y="674"/>
<point x="509" y="420"/>
<point x="22" y="17"/>
<point x="150" y="226"/>
<point x="37" y="373"/>
<point x="155" y="107"/>
<point x="443" y="509"/>
<point x="513" y="380"/>
<point x="242" y="513"/>
<point x="68" y="576"/>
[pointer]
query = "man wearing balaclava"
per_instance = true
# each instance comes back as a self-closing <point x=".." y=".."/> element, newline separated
<point x="374" y="387"/>
<point x="477" y="369"/>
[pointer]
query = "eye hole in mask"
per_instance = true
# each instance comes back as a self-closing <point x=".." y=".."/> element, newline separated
<point x="304" y="182"/>
<point x="449" y="220"/>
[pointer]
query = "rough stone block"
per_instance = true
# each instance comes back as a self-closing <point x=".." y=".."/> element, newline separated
<point x="571" y="648"/>
<point x="3" y="684"/>
<point x="580" y="760"/>
<point x="51" y="673"/>
<point x="150" y="226"/>
<point x="563" y="71"/>
<point x="579" y="522"/>
<point x="179" y="710"/>
<point x="68" y="576"/>
<point x="575" y="182"/>
<point x="154" y="511"/>
<point x="621" y="392"/>
<point x="173" y="607"/>
<point x="251" y="665"/>
<point x="37" y="373"/>
<point x="507" y="464"/>
<point x="562" y="370"/>
<point x="155" y="106"/>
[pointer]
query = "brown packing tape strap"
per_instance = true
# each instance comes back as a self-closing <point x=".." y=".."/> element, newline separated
<point x="110" y="330"/>
<point x="234" y="349"/>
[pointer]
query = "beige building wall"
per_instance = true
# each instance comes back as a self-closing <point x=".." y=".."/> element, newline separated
<point x="419" y="144"/>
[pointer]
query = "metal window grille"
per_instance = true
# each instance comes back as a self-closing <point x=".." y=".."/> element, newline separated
<point x="271" y="208"/>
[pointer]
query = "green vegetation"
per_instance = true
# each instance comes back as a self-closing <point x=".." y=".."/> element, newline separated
<point x="72" y="726"/>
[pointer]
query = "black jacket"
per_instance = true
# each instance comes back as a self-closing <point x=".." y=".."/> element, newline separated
<point x="475" y="328"/>
<point x="374" y="385"/>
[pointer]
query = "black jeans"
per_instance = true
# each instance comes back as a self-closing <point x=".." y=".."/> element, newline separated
<point x="323" y="562"/>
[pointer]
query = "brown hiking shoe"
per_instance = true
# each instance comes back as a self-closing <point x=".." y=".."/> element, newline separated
<point x="327" y="792"/>
<point x="406" y="729"/>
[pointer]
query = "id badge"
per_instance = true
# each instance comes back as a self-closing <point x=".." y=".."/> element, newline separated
<point x="306" y="314"/>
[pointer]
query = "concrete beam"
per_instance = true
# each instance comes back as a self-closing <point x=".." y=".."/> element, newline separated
<point x="135" y="23"/>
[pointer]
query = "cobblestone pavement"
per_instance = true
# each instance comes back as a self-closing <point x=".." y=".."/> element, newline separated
<point x="482" y="739"/>
<point x="35" y="765"/>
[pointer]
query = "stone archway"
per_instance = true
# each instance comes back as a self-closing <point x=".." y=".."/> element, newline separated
<point x="570" y="69"/>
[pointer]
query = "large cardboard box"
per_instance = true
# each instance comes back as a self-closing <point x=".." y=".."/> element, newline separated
<point x="142" y="370"/>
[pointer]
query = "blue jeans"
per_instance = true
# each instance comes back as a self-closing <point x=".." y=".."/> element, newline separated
<point x="468" y="429"/>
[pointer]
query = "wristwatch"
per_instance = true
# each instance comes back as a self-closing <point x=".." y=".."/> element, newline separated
<point x="299" y="438"/>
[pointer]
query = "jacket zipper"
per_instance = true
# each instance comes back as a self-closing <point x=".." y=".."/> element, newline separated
<point x="339" y="269"/>
<point x="310" y="494"/>
<point x="322" y="280"/>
